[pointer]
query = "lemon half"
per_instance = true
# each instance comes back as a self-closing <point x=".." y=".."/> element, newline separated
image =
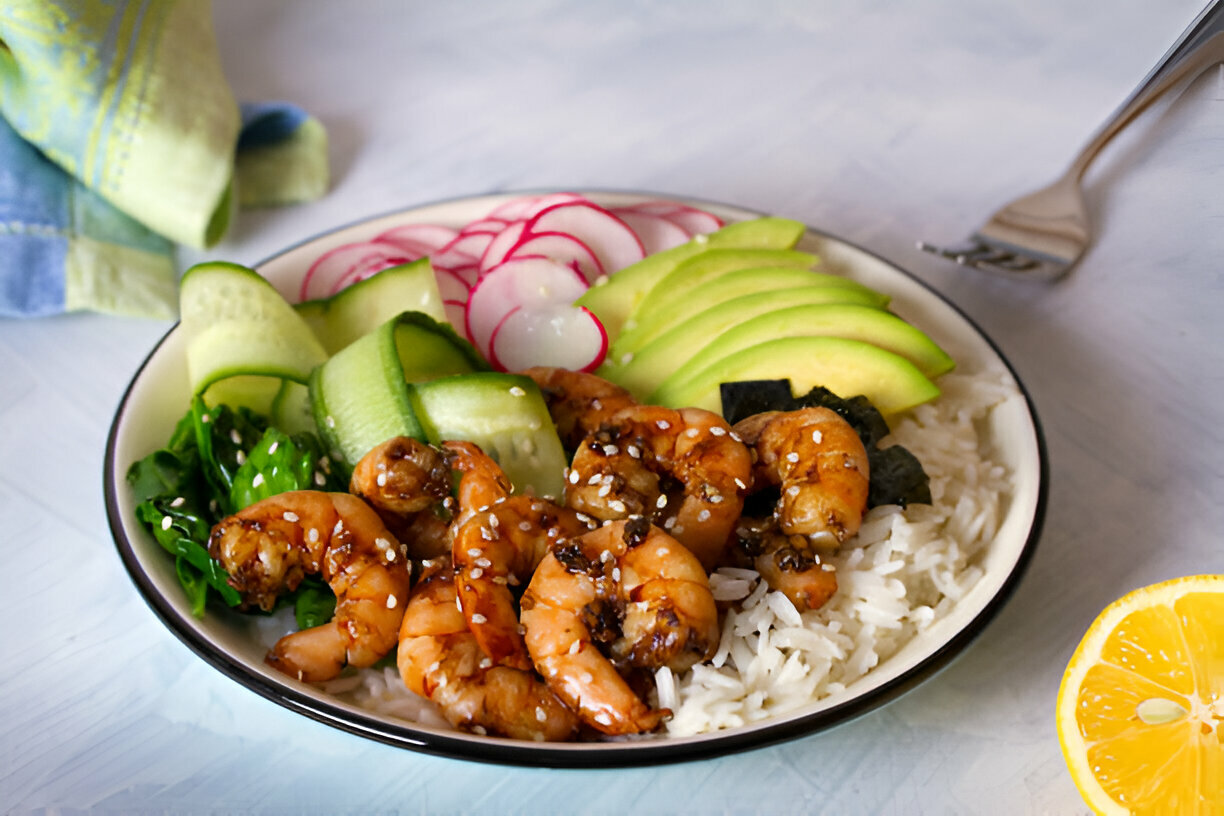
<point x="1141" y="706"/>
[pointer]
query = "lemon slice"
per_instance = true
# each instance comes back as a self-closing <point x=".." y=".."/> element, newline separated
<point x="1141" y="706"/>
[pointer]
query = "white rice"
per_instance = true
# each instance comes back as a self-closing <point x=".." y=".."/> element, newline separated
<point x="905" y="570"/>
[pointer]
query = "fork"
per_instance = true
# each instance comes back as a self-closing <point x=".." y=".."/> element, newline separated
<point x="1043" y="234"/>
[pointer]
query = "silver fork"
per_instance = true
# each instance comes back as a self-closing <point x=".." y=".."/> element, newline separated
<point x="1043" y="234"/>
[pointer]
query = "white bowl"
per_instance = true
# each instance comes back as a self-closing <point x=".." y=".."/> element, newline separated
<point x="158" y="395"/>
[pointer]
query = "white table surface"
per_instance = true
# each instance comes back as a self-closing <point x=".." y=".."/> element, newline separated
<point x="880" y="122"/>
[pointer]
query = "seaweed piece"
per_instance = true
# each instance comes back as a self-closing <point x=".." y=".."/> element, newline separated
<point x="747" y="397"/>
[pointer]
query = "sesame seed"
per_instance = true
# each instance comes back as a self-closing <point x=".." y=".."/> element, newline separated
<point x="240" y="458"/>
<point x="740" y="483"/>
<point x="487" y="534"/>
<point x="476" y="573"/>
<point x="661" y="502"/>
<point x="272" y="448"/>
<point x="718" y="430"/>
<point x="235" y="437"/>
<point x="483" y="562"/>
<point x="205" y="418"/>
<point x="617" y="505"/>
<point x="479" y="619"/>
<point x="485" y="663"/>
<point x="290" y="516"/>
<point x="320" y="479"/>
<point x="312" y="535"/>
<point x="792" y="457"/>
<point x="616" y="573"/>
<point x="634" y="451"/>
<point x="258" y="480"/>
<point x="793" y="490"/>
<point x="610" y="450"/>
<point x="715" y="499"/>
<point x="540" y="714"/>
<point x="381" y="543"/>
<point x="166" y="522"/>
<point x="817" y="436"/>
<point x="178" y="502"/>
<point x="691" y="433"/>
<point x="605" y="490"/>
<point x="381" y="480"/>
<point x="390" y="555"/>
<point x="597" y="404"/>
<point x="475" y="552"/>
<point x="736" y="436"/>
<point x="605" y="556"/>
<point x="339" y="528"/>
<point x="517" y="391"/>
<point x="596" y="479"/>
<point x="391" y="601"/>
<point x="494" y="521"/>
<point x="670" y="523"/>
<point x="525" y="526"/>
<point x="573" y="477"/>
<point x="663" y="424"/>
<point x="575" y="647"/>
<point x="704" y="515"/>
<point x="433" y="667"/>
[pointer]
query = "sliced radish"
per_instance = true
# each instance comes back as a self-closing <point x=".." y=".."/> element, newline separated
<point x="562" y="248"/>
<point x="549" y="335"/>
<point x="691" y="219"/>
<point x="418" y="239"/>
<point x="494" y="225"/>
<point x="500" y="245"/>
<point x="655" y="232"/>
<point x="348" y="264"/>
<point x="469" y="274"/>
<point x="529" y="282"/>
<point x="523" y="207"/>
<point x="610" y="239"/>
<point x="455" y="310"/>
<point x="451" y="286"/>
<point x="465" y="250"/>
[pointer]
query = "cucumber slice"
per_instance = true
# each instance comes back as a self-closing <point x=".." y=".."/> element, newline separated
<point x="243" y="338"/>
<point x="360" y="308"/>
<point x="360" y="397"/>
<point x="506" y="416"/>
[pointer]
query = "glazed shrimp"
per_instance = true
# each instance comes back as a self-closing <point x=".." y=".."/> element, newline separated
<point x="439" y="658"/>
<point x="269" y="546"/>
<point x="683" y="470"/>
<point x="786" y="563"/>
<point x="497" y="549"/>
<point x="578" y="402"/>
<point x="818" y="463"/>
<point x="408" y="483"/>
<point x="634" y="589"/>
<point x="481" y="482"/>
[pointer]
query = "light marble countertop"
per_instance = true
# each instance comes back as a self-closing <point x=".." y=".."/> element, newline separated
<point x="880" y="122"/>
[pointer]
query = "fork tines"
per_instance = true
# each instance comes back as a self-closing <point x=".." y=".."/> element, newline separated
<point x="991" y="257"/>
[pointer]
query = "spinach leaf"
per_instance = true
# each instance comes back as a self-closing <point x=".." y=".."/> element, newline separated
<point x="278" y="463"/>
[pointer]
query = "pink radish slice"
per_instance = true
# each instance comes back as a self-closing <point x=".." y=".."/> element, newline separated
<point x="501" y="244"/>
<point x="562" y="248"/>
<point x="465" y="250"/>
<point x="610" y="239"/>
<point x="530" y="282"/>
<point x="455" y="310"/>
<point x="695" y="222"/>
<point x="420" y="239"/>
<point x="523" y="207"/>
<point x="469" y="274"/>
<point x="550" y="335"/>
<point x="655" y="232"/>
<point x="347" y="264"/>
<point x="494" y="225"/>
<point x="451" y="286"/>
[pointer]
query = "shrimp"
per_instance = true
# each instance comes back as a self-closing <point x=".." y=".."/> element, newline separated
<point x="408" y="483"/>
<point x="818" y="463"/>
<point x="682" y="469"/>
<point x="481" y="483"/>
<point x="272" y="544"/>
<point x="578" y="402"/>
<point x="497" y="549"/>
<point x="637" y="591"/>
<point x="786" y="563"/>
<point x="439" y="658"/>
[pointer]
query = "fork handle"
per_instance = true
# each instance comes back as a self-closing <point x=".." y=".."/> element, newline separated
<point x="1199" y="47"/>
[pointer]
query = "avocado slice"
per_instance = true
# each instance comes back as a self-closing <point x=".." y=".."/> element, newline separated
<point x="612" y="300"/>
<point x="688" y="277"/>
<point x="726" y="287"/>
<point x="851" y="321"/>
<point x="645" y="369"/>
<point x="848" y="368"/>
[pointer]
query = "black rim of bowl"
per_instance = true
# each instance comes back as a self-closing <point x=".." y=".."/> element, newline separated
<point x="587" y="755"/>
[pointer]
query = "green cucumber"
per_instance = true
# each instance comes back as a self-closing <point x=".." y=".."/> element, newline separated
<point x="360" y="397"/>
<point x="243" y="337"/>
<point x="505" y="414"/>
<point x="358" y="309"/>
